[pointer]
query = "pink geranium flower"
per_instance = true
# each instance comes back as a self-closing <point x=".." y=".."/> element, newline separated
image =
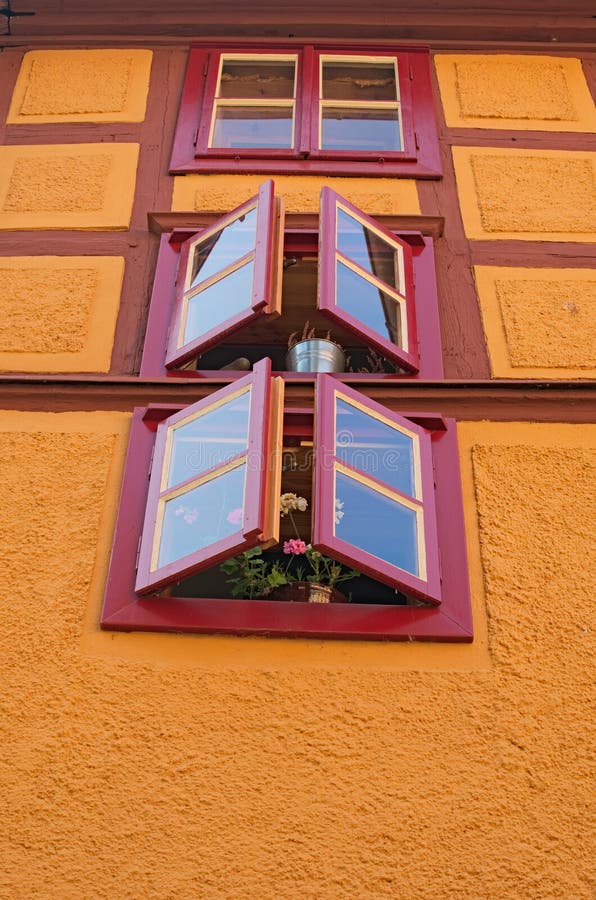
<point x="294" y="546"/>
<point x="235" y="517"/>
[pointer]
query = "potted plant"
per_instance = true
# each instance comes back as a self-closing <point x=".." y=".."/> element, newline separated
<point x="305" y="576"/>
<point x="309" y="353"/>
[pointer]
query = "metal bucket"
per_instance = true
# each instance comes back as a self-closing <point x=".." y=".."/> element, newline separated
<point x="315" y="355"/>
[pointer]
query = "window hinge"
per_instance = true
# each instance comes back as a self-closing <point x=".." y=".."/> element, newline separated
<point x="151" y="461"/>
<point x="410" y="72"/>
<point x="205" y="67"/>
<point x="138" y="554"/>
<point x="196" y="137"/>
<point x="417" y="140"/>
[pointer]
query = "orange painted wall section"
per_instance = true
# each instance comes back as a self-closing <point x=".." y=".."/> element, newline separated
<point x="58" y="313"/>
<point x="539" y="323"/>
<point x="220" y="193"/>
<point x="212" y="767"/>
<point x="542" y="93"/>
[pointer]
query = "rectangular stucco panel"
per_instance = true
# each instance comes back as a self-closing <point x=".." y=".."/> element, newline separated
<point x="73" y="186"/>
<point x="531" y="194"/>
<point x="81" y="85"/>
<point x="220" y="193"/>
<point x="535" y="505"/>
<point x="69" y="183"/>
<point x="57" y="322"/>
<point x="515" y="91"/>
<point x="539" y="323"/>
<point x="58" y="313"/>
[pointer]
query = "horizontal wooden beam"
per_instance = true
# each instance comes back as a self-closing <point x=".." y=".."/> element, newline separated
<point x="528" y="20"/>
<point x="496" y="400"/>
<point x="160" y="222"/>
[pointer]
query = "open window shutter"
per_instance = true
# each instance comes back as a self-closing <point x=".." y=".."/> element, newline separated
<point x="366" y="281"/>
<point x="228" y="275"/>
<point x="214" y="485"/>
<point x="374" y="491"/>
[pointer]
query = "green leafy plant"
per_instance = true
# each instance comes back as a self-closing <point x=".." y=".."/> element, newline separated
<point x="251" y="575"/>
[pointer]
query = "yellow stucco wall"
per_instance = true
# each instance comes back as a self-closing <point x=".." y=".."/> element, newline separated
<point x="81" y="86"/>
<point x="72" y="186"/>
<point x="539" y="323"/>
<point x="534" y="195"/>
<point x="149" y="766"/>
<point x="58" y="313"/>
<point x="220" y="193"/>
<point x="546" y="93"/>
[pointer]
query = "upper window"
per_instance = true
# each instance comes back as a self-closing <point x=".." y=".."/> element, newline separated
<point x="308" y="109"/>
<point x="245" y="288"/>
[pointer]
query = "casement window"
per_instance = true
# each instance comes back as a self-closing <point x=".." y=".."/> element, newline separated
<point x="242" y="286"/>
<point x="202" y="484"/>
<point x="307" y="109"/>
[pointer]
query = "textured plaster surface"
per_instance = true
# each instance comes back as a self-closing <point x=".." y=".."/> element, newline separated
<point x="149" y="766"/>
<point x="81" y="86"/>
<point x="71" y="186"/>
<point x="544" y="93"/>
<point x="539" y="323"/>
<point x="527" y="194"/>
<point x="58" y="313"/>
<point x="220" y="193"/>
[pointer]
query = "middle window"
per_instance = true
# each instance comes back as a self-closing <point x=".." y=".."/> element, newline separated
<point x="246" y="287"/>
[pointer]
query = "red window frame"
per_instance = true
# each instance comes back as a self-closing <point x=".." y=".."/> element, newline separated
<point x="326" y="465"/>
<point x="419" y="157"/>
<point x="449" y="620"/>
<point x="330" y="256"/>
<point x="424" y="356"/>
<point x="260" y="520"/>
<point x="264" y="280"/>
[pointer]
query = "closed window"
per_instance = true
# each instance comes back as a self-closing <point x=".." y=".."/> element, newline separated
<point x="307" y="109"/>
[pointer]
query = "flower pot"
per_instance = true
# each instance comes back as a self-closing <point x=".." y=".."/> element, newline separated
<point x="308" y="592"/>
<point x="315" y="355"/>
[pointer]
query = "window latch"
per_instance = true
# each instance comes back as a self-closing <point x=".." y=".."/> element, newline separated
<point x="138" y="554"/>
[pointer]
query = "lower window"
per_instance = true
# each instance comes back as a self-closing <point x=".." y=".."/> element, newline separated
<point x="240" y="514"/>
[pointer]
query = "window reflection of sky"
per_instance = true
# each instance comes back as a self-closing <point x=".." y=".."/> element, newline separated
<point x="246" y="128"/>
<point x="359" y="130"/>
<point x="366" y="248"/>
<point x="219" y="302"/>
<point x="202" y="516"/>
<point x="375" y="448"/>
<point x="377" y="524"/>
<point x="364" y="301"/>
<point x="223" y="248"/>
<point x="209" y="440"/>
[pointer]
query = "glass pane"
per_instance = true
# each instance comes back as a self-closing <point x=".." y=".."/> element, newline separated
<point x="370" y="251"/>
<point x="374" y="447"/>
<point x="202" y="516"/>
<point x="364" y="81"/>
<point x="253" y="127"/>
<point x="368" y="303"/>
<point x="360" y="129"/>
<point x="209" y="440"/>
<point x="257" y="79"/>
<point x="219" y="302"/>
<point x="224" y="247"/>
<point x="376" y="524"/>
